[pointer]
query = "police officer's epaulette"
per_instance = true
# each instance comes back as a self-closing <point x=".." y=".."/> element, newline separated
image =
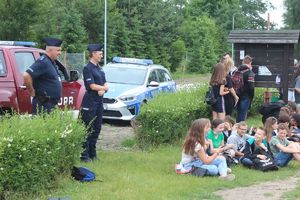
<point x="42" y="57"/>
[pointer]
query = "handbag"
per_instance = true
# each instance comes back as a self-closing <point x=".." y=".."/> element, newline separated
<point x="265" y="165"/>
<point x="210" y="98"/>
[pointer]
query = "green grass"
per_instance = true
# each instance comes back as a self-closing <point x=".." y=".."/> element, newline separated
<point x="150" y="175"/>
<point x="180" y="75"/>
<point x="129" y="143"/>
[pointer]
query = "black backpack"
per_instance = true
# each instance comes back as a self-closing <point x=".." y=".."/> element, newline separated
<point x="210" y="98"/>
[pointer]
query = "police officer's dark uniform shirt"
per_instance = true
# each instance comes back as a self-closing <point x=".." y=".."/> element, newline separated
<point x="93" y="74"/>
<point x="46" y="79"/>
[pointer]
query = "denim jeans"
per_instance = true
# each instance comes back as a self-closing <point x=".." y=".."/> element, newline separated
<point x="217" y="167"/>
<point x="282" y="158"/>
<point x="247" y="162"/>
<point x="242" y="108"/>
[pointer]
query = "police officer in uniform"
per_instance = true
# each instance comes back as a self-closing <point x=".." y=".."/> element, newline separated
<point x="92" y="103"/>
<point x="42" y="79"/>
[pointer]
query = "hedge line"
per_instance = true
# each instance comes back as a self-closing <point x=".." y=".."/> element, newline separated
<point x="35" y="150"/>
<point x="167" y="118"/>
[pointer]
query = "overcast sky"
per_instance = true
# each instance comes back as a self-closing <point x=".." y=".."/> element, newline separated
<point x="276" y="15"/>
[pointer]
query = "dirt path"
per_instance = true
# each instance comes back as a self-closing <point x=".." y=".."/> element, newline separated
<point x="113" y="134"/>
<point x="263" y="191"/>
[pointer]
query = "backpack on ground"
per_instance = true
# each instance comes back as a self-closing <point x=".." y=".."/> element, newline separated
<point x="83" y="174"/>
<point x="210" y="98"/>
<point x="238" y="80"/>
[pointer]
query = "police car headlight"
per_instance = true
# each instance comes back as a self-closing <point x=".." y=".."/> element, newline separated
<point x="127" y="98"/>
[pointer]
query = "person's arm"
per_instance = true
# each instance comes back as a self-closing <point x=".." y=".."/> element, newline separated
<point x="97" y="87"/>
<point x="287" y="149"/>
<point x="205" y="158"/>
<point x="297" y="90"/>
<point x="236" y="98"/>
<point x="28" y="83"/>
<point x="222" y="92"/>
<point x="297" y="85"/>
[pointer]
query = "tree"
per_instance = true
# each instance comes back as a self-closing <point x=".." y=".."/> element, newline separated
<point x="202" y="41"/>
<point x="72" y="31"/>
<point x="292" y="15"/>
<point x="18" y="17"/>
<point x="177" y="54"/>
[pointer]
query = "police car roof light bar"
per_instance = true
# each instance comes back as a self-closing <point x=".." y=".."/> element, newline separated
<point x="18" y="43"/>
<point x="132" y="61"/>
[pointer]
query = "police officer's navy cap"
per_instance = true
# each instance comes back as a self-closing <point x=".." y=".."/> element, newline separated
<point x="95" y="47"/>
<point x="52" y="42"/>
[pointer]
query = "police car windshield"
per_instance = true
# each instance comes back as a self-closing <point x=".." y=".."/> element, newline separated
<point x="125" y="75"/>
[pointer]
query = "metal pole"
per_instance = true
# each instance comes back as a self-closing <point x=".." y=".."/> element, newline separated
<point x="105" y="25"/>
<point x="232" y="45"/>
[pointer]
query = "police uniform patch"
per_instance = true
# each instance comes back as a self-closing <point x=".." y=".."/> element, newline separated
<point x="42" y="57"/>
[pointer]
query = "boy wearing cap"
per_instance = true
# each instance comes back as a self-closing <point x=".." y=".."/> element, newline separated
<point x="92" y="104"/>
<point x="42" y="79"/>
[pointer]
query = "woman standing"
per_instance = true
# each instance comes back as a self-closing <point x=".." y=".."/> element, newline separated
<point x="92" y="103"/>
<point x="217" y="82"/>
<point x="231" y="98"/>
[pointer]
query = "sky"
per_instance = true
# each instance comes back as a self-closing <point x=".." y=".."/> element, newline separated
<point x="276" y="14"/>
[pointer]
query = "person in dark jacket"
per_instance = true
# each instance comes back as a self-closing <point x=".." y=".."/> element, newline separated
<point x="91" y="110"/>
<point x="256" y="148"/>
<point x="246" y="93"/>
<point x="43" y="80"/>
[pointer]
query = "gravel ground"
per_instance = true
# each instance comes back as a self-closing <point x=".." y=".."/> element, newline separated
<point x="112" y="135"/>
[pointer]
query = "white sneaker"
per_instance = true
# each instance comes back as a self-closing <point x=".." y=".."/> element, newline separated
<point x="229" y="171"/>
<point x="228" y="177"/>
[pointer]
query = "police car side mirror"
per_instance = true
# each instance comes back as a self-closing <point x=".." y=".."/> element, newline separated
<point x="74" y="75"/>
<point x="153" y="84"/>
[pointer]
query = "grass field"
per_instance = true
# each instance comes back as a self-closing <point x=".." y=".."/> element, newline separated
<point x="150" y="175"/>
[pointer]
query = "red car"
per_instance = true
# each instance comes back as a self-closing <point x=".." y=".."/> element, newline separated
<point x="15" y="58"/>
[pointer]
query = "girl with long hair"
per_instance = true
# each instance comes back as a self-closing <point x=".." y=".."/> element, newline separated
<point x="271" y="125"/>
<point x="194" y="152"/>
<point x="217" y="82"/>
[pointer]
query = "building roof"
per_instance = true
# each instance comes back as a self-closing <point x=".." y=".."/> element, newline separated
<point x="264" y="36"/>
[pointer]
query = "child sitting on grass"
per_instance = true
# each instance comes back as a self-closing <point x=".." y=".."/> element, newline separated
<point x="194" y="152"/>
<point x="217" y="138"/>
<point x="282" y="149"/>
<point x="254" y="148"/>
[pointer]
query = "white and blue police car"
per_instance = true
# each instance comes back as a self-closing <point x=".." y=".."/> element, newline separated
<point x="133" y="82"/>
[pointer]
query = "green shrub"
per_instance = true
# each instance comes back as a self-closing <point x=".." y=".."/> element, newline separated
<point x="166" y="118"/>
<point x="35" y="150"/>
<point x="257" y="101"/>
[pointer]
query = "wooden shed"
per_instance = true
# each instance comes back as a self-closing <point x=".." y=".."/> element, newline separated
<point x="273" y="55"/>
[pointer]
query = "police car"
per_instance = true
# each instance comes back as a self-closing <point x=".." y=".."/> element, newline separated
<point x="133" y="82"/>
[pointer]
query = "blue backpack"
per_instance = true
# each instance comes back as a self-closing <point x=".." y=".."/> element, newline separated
<point x="83" y="174"/>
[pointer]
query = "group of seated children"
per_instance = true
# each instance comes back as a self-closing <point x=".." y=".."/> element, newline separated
<point x="216" y="145"/>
